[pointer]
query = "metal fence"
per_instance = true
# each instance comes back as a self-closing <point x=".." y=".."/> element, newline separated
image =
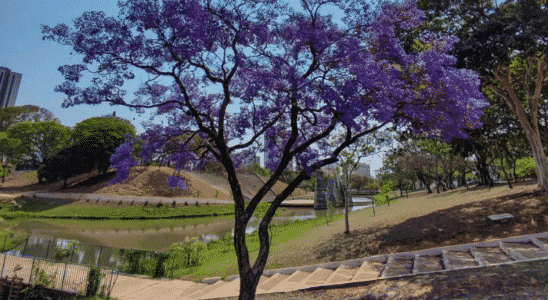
<point x="130" y="261"/>
<point x="65" y="277"/>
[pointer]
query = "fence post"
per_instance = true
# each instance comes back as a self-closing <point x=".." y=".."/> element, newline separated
<point x="31" y="269"/>
<point x="47" y="252"/>
<point x="65" y="271"/>
<point x="25" y="247"/>
<point x="72" y="252"/>
<point x="64" y="274"/>
<point x="99" y="258"/>
<point x="3" y="264"/>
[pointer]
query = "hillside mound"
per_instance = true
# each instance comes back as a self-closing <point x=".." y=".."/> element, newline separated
<point x="143" y="181"/>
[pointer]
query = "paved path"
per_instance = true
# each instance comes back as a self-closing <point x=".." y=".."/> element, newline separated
<point x="137" y="199"/>
<point x="336" y="274"/>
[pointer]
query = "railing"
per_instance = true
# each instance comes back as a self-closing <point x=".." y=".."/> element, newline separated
<point x="72" y="278"/>
<point x="131" y="261"/>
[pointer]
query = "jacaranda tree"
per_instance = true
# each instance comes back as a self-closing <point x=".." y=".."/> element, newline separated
<point x="293" y="79"/>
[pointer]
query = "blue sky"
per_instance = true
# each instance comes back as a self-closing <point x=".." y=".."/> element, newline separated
<point x="23" y="51"/>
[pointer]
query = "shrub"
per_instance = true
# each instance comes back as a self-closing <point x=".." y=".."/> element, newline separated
<point x="188" y="253"/>
<point x="65" y="252"/>
<point x="525" y="168"/>
<point x="39" y="288"/>
<point x="93" y="281"/>
<point x="160" y="204"/>
<point x="261" y="171"/>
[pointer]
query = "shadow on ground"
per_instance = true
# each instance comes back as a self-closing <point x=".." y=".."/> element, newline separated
<point x="462" y="224"/>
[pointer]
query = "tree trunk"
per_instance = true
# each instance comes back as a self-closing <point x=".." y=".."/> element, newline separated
<point x="249" y="279"/>
<point x="346" y="196"/>
<point x="529" y="122"/>
<point x="463" y="176"/>
<point x="426" y="184"/>
<point x="504" y="171"/>
<point x="540" y="160"/>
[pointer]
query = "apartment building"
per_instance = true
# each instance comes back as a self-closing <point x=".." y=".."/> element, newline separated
<point x="9" y="87"/>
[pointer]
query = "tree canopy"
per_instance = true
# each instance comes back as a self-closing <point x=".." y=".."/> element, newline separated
<point x="40" y="140"/>
<point x="103" y="132"/>
<point x="302" y="79"/>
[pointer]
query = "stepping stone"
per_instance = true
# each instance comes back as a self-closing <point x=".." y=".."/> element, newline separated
<point x="342" y="274"/>
<point x="528" y="250"/>
<point x="397" y="267"/>
<point x="454" y="260"/>
<point x="493" y="255"/>
<point x="368" y="271"/>
<point x="292" y="282"/>
<point x="427" y="263"/>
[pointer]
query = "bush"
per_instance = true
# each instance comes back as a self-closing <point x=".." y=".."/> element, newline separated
<point x="188" y="253"/>
<point x="261" y="171"/>
<point x="41" y="282"/>
<point x="525" y="168"/>
<point x="93" y="281"/>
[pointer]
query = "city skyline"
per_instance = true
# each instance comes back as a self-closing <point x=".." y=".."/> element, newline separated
<point x="9" y="87"/>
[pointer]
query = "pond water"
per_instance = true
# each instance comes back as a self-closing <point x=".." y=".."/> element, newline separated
<point x="99" y="240"/>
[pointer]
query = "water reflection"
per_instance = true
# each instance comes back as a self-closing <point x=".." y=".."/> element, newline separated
<point x="138" y="234"/>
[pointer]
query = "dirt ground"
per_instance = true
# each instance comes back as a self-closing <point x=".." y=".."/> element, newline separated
<point x="142" y="181"/>
<point x="453" y="225"/>
<point x="461" y="224"/>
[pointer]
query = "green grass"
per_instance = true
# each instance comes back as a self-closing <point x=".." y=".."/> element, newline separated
<point x="132" y="225"/>
<point x="8" y="240"/>
<point x="9" y="211"/>
<point x="221" y="256"/>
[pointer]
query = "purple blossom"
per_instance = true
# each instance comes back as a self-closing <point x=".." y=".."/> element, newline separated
<point x="274" y="77"/>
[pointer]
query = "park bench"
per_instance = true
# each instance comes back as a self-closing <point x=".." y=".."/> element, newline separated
<point x="501" y="217"/>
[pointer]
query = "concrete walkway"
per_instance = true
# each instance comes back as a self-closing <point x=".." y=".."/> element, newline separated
<point x="346" y="273"/>
<point x="138" y="199"/>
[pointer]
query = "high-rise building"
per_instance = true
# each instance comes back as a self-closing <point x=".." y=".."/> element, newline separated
<point x="9" y="86"/>
<point x="363" y="169"/>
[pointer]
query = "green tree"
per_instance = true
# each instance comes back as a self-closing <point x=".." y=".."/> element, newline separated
<point x="13" y="115"/>
<point x="41" y="139"/>
<point x="103" y="132"/>
<point x="13" y="150"/>
<point x="71" y="161"/>
<point x="349" y="160"/>
<point x="517" y="65"/>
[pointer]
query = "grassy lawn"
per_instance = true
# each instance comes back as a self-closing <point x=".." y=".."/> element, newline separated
<point x="221" y="257"/>
<point x="90" y="211"/>
<point x="132" y="225"/>
<point x="298" y="243"/>
<point x="9" y="241"/>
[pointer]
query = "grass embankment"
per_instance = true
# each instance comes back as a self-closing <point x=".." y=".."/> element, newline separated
<point x="220" y="256"/>
<point x="121" y="212"/>
<point x="313" y="241"/>
<point x="8" y="240"/>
